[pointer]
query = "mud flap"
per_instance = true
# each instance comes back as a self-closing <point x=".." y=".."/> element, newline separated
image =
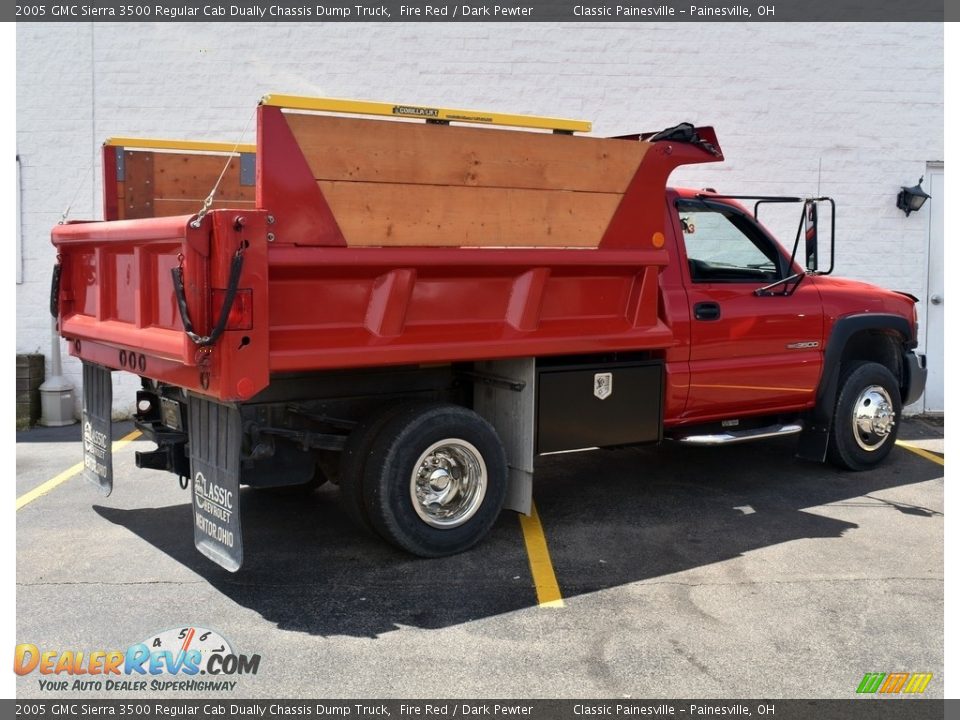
<point x="97" y="427"/>
<point x="214" y="433"/>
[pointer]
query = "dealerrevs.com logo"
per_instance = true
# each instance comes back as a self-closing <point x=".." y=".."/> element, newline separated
<point x="188" y="659"/>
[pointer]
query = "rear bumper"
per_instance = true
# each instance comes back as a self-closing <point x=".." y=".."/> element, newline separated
<point x="914" y="377"/>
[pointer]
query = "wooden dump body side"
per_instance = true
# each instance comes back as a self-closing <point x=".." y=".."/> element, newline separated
<point x="402" y="184"/>
<point x="376" y="243"/>
<point x="342" y="181"/>
<point x="163" y="178"/>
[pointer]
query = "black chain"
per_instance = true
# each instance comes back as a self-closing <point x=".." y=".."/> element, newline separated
<point x="236" y="267"/>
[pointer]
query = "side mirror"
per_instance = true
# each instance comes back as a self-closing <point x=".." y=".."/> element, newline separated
<point x="808" y="229"/>
<point x="809" y="225"/>
<point x="810" y="234"/>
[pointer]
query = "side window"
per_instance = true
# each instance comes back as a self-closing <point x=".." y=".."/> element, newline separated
<point x="723" y="247"/>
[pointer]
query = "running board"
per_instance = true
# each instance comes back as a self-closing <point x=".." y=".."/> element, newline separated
<point x="739" y="436"/>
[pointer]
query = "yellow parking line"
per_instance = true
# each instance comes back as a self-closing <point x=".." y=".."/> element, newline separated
<point x="921" y="452"/>
<point x="50" y="484"/>
<point x="541" y="567"/>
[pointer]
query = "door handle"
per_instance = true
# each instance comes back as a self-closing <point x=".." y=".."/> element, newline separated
<point x="706" y="311"/>
<point x="936" y="299"/>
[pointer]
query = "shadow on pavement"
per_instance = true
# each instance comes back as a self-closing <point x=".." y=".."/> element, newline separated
<point x="67" y="433"/>
<point x="648" y="513"/>
<point x="611" y="518"/>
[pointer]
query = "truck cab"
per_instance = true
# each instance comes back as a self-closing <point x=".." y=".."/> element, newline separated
<point x="766" y="337"/>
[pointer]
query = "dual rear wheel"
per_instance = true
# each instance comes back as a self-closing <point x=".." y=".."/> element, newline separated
<point x="430" y="478"/>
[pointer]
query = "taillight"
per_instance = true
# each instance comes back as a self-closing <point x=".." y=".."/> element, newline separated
<point x="241" y="313"/>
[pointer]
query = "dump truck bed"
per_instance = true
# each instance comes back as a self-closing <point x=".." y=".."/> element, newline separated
<point x="368" y="243"/>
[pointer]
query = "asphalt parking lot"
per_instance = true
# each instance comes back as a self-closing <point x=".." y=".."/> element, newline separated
<point x="684" y="572"/>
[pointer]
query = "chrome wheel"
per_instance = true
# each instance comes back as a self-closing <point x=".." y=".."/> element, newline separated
<point x="448" y="483"/>
<point x="873" y="418"/>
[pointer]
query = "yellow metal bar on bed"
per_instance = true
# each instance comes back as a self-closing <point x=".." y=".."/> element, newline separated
<point x="420" y="112"/>
<point x="188" y="145"/>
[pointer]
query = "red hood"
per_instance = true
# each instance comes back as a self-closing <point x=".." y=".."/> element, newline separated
<point x="852" y="297"/>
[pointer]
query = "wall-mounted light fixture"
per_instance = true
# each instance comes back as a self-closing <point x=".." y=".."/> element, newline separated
<point x="911" y="199"/>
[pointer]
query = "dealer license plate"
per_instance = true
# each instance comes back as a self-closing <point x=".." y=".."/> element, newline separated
<point x="215" y="469"/>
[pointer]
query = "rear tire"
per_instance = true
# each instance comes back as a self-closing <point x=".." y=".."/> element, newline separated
<point x="435" y="479"/>
<point x="353" y="460"/>
<point x="866" y="418"/>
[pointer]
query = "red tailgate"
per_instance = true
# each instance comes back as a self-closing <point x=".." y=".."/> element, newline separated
<point x="118" y="307"/>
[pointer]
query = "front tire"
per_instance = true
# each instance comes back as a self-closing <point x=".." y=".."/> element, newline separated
<point x="435" y="479"/>
<point x="866" y="418"/>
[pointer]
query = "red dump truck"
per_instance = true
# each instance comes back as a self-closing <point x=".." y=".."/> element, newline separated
<point x="415" y="308"/>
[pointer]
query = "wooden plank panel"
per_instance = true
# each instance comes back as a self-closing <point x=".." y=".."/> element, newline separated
<point x="137" y="197"/>
<point x="361" y="150"/>
<point x="159" y="184"/>
<point x="192" y="176"/>
<point x="384" y="214"/>
<point x="168" y="207"/>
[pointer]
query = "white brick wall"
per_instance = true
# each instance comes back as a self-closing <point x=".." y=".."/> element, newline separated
<point x="866" y="98"/>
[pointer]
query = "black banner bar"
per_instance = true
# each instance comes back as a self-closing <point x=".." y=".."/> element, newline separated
<point x="863" y="708"/>
<point x="480" y="11"/>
